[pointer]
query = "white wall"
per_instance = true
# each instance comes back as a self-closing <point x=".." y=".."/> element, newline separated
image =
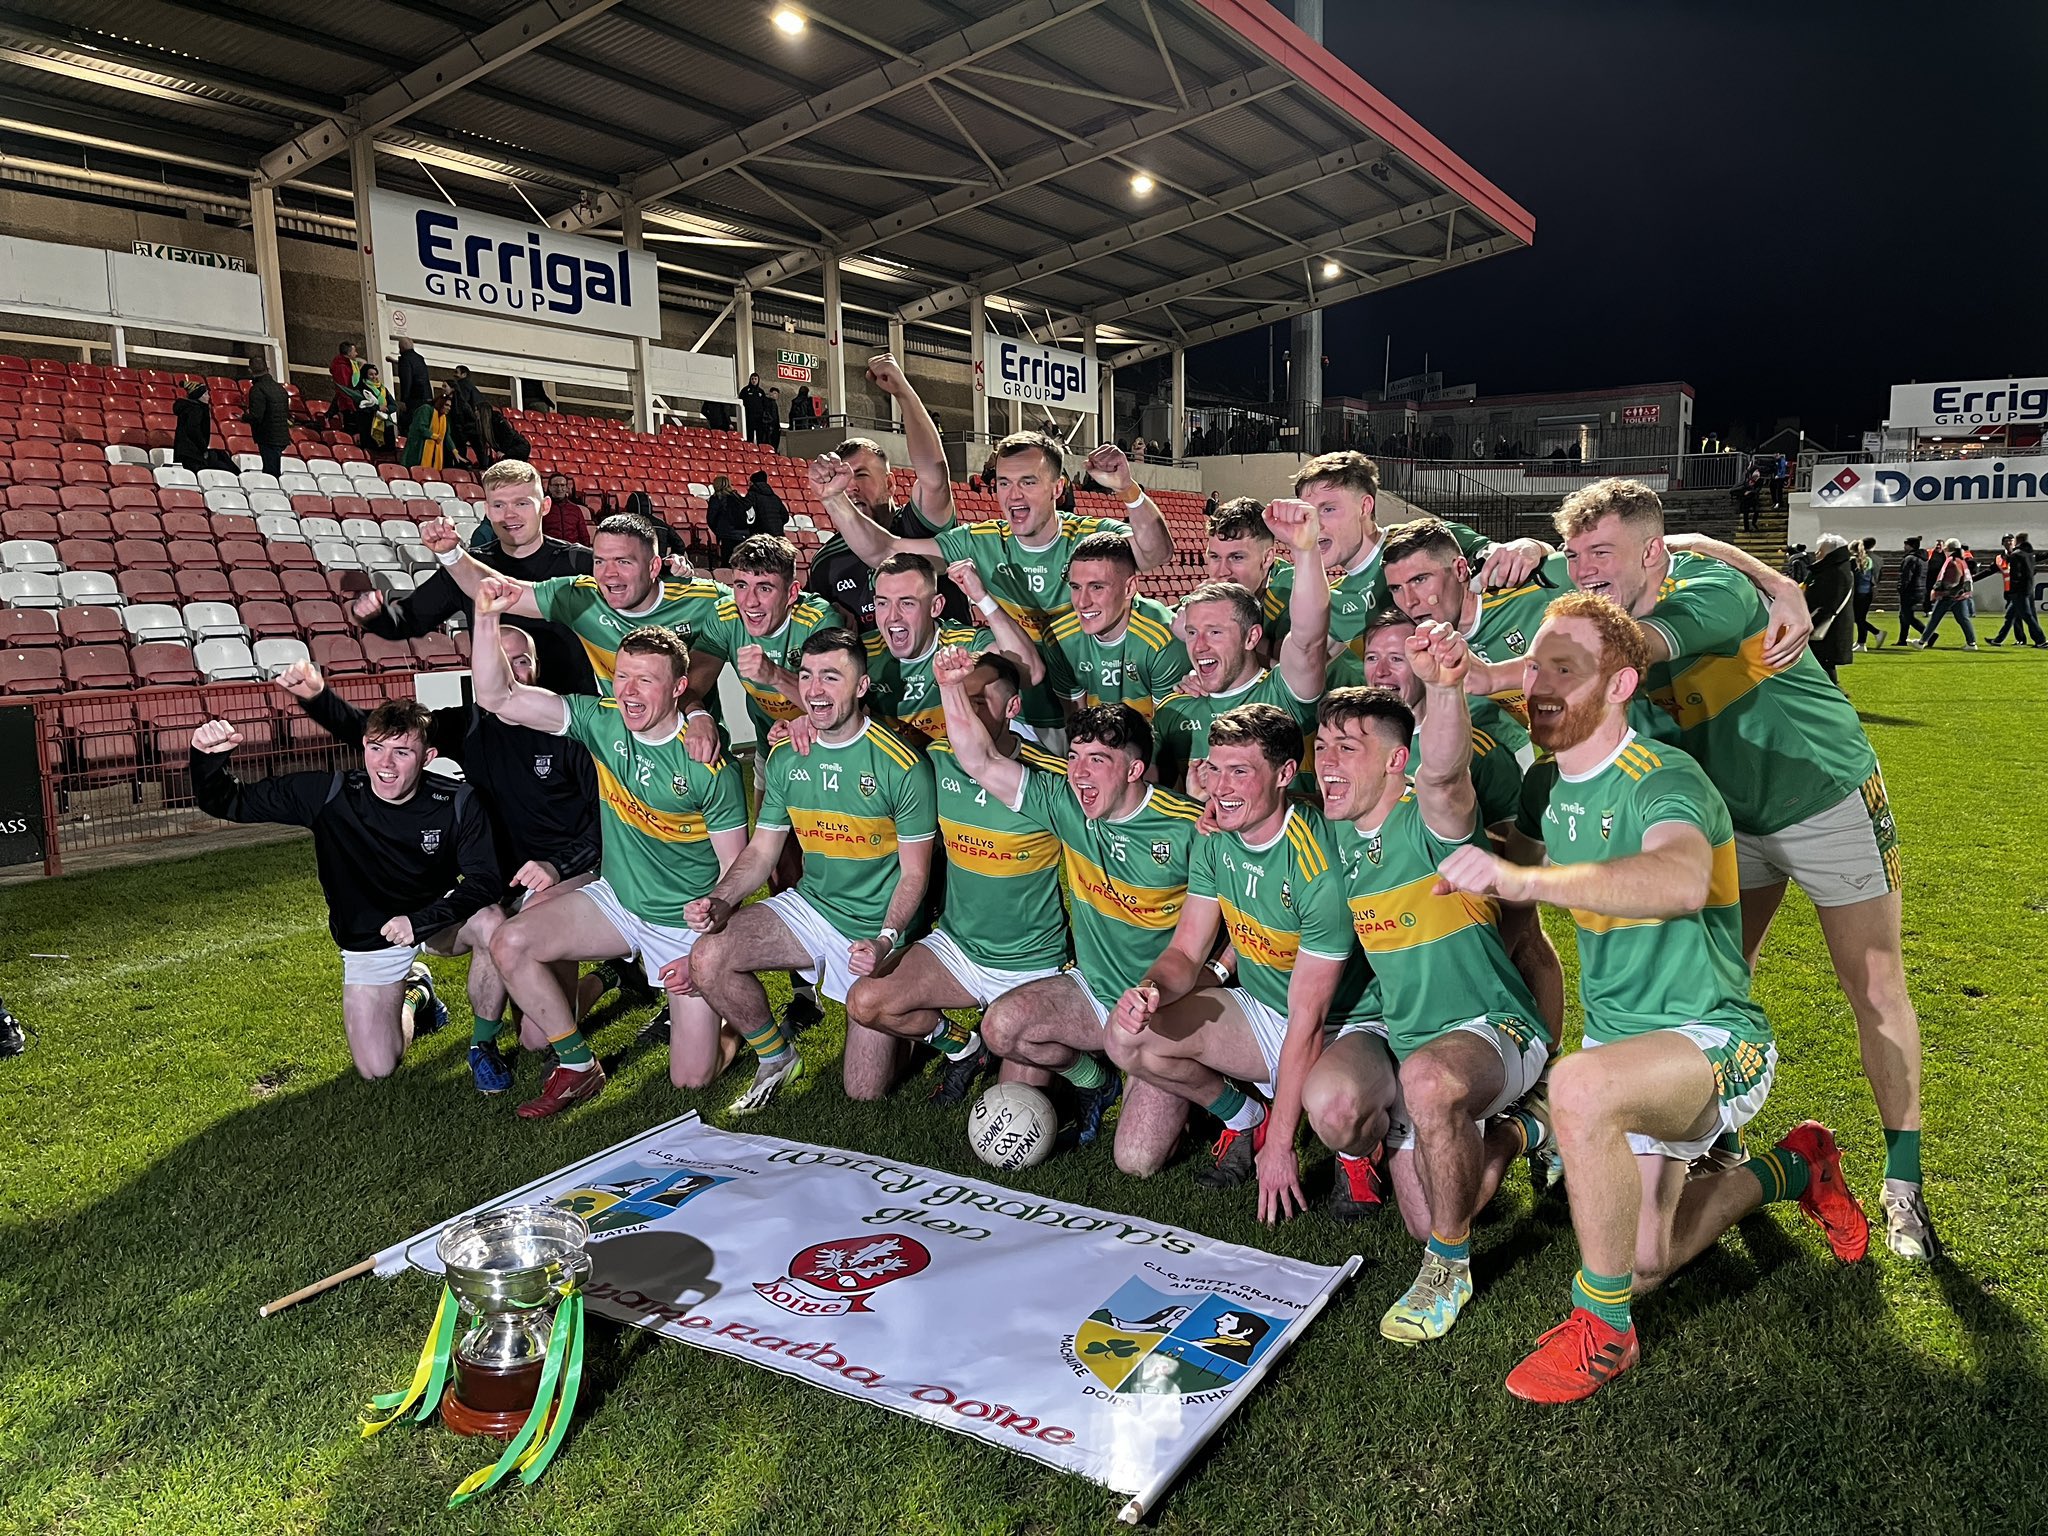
<point x="1980" y="524"/>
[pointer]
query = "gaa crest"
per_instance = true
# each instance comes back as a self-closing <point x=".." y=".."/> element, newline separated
<point x="680" y="785"/>
<point x="832" y="1279"/>
<point x="1145" y="1340"/>
<point x="867" y="785"/>
<point x="1606" y="825"/>
<point x="544" y="765"/>
<point x="1286" y="896"/>
<point x="430" y="840"/>
<point x="1162" y="853"/>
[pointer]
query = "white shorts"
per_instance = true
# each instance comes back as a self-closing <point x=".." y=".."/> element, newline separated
<point x="1095" y="1005"/>
<point x="1269" y="1029"/>
<point x="831" y="965"/>
<point x="983" y="983"/>
<point x="388" y="966"/>
<point x="1743" y="1072"/>
<point x="654" y="945"/>
<point x="1522" y="1063"/>
<point x="1840" y="856"/>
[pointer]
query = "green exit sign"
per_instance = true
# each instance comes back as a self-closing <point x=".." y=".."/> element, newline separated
<point x="799" y="359"/>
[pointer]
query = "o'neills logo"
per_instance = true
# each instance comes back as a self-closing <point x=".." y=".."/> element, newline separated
<point x="833" y="1278"/>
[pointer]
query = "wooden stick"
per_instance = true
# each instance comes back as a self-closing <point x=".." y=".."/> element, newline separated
<point x="318" y="1286"/>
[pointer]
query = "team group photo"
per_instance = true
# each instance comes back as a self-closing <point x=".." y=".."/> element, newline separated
<point x="865" y="746"/>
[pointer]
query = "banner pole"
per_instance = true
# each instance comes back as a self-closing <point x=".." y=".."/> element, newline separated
<point x="1145" y="1501"/>
<point x="307" y="1292"/>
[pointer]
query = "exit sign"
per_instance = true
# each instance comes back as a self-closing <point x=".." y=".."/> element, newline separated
<point x="796" y="360"/>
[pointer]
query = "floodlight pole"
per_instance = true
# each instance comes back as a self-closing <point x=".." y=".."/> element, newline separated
<point x="1177" y="433"/>
<point x="742" y="336"/>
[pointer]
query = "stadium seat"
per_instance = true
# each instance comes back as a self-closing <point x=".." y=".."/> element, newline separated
<point x="262" y="503"/>
<point x="275" y="653"/>
<point x="269" y="619"/>
<point x="219" y="480"/>
<point x="378" y="557"/>
<point x="435" y="649"/>
<point x="99" y="734"/>
<point x="292" y="554"/>
<point x="226" y="661"/>
<point x="91" y="626"/>
<point x="21" y="628"/>
<point x="30" y="555"/>
<point x="338" y="655"/>
<point x="255" y="480"/>
<point x="360" y="529"/>
<point x="436" y="489"/>
<point x="85" y="554"/>
<point x="213" y="621"/>
<point x="318" y="526"/>
<point x="387" y="655"/>
<point x="84" y="523"/>
<point x="31" y="671"/>
<point x="164" y="664"/>
<point x="117" y="454"/>
<point x="244" y="554"/>
<point x="203" y="584"/>
<point x="280" y="528"/>
<point x="398" y="583"/>
<point x="321" y="615"/>
<point x="300" y="585"/>
<point x="337" y="554"/>
<point x="146" y="622"/>
<point x="30" y="523"/>
<point x="175" y="477"/>
<point x="359" y="470"/>
<point x="146" y="584"/>
<point x="297" y="483"/>
<point x="249" y="710"/>
<point x="136" y="523"/>
<point x="84" y="587"/>
<point x="219" y="500"/>
<point x="188" y="525"/>
<point x="170" y="719"/>
<point x="98" y="666"/>
<point x="142" y="554"/>
<point x="234" y="525"/>
<point x="199" y="551"/>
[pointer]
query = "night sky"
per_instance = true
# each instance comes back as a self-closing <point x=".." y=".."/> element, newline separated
<point x="1791" y="206"/>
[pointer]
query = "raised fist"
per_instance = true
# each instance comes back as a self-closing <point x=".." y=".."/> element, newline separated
<point x="953" y="666"/>
<point x="1294" y="523"/>
<point x="886" y="374"/>
<point x="497" y="594"/>
<point x="1109" y="466"/>
<point x="216" y="736"/>
<point x="302" y="680"/>
<point x="964" y="575"/>
<point x="830" y="476"/>
<point x="440" y="535"/>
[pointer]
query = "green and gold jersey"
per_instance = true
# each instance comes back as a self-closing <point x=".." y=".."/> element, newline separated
<point x="901" y="692"/>
<point x="851" y="807"/>
<point x="1438" y="960"/>
<point x="1506" y="624"/>
<point x="726" y="635"/>
<point x="1002" y="902"/>
<point x="1496" y="775"/>
<point x="1126" y="880"/>
<point x="1280" y="900"/>
<point x="1031" y="584"/>
<point x="1180" y="731"/>
<point x="1362" y="591"/>
<point x="1637" y="974"/>
<point x="1140" y="667"/>
<point x="690" y="608"/>
<point x="657" y="809"/>
<point x="1779" y="746"/>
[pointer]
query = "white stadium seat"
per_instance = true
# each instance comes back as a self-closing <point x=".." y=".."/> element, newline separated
<point x="161" y="456"/>
<point x="153" y="621"/>
<point x="436" y="489"/>
<point x="280" y="525"/>
<point x="254" y="480"/>
<point x="175" y="477"/>
<point x="318" y="528"/>
<point x="246" y="463"/>
<point x="30" y="589"/>
<point x="276" y="502"/>
<point x="355" y="469"/>
<point x="359" y="529"/>
<point x="90" y="588"/>
<point x="399" y="530"/>
<point x="291" y="464"/>
<point x="213" y="621"/>
<point x="298" y="483"/>
<point x="226" y="661"/>
<point x="219" y="499"/>
<point x="398" y="583"/>
<point x="219" y="480"/>
<point x="337" y="554"/>
<point x="121" y="453"/>
<point x="416" y="555"/>
<point x="273" y="656"/>
<point x="29" y="555"/>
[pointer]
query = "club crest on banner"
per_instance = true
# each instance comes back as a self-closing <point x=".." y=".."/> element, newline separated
<point x="830" y="1279"/>
<point x="1147" y="1341"/>
<point x="636" y="1194"/>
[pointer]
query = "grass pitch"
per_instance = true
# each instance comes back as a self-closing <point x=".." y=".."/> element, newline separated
<point x="186" y="1140"/>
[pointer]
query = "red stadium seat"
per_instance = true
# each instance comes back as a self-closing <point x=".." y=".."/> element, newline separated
<point x="20" y="496"/>
<point x="22" y="628"/>
<point x="142" y="554"/>
<point x="248" y="707"/>
<point x="234" y="525"/>
<point x="321" y="616"/>
<point x="136" y="523"/>
<point x="299" y="586"/>
<point x="290" y="554"/>
<point x="30" y="523"/>
<point x="146" y="584"/>
<point x="85" y="525"/>
<point x="86" y="554"/>
<point x="387" y="655"/>
<point x="192" y="552"/>
<point x="338" y="656"/>
<point x="31" y="671"/>
<point x="244" y="554"/>
<point x="188" y="525"/>
<point x="173" y="498"/>
<point x="128" y="477"/>
<point x="163" y="663"/>
<point x="90" y="497"/>
<point x="203" y="584"/>
<point x="92" y="624"/>
<point x="170" y="719"/>
<point x="268" y="619"/>
<point x="260" y="585"/>
<point x="98" y="666"/>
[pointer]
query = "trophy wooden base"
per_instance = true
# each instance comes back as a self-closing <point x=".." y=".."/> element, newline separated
<point x="490" y="1401"/>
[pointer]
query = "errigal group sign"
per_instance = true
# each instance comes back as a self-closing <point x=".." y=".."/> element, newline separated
<point x="1964" y="407"/>
<point x="493" y="266"/>
<point x="1018" y="370"/>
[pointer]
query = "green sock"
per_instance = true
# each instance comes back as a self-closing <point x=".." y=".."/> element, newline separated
<point x="1532" y="1129"/>
<point x="952" y="1038"/>
<point x="769" y="1042"/>
<point x="572" y="1050"/>
<point x="1902" y="1156"/>
<point x="414" y="996"/>
<point x="1783" y="1174"/>
<point x="1454" y="1250"/>
<point x="1086" y="1073"/>
<point x="1605" y="1296"/>
<point x="483" y="1031"/>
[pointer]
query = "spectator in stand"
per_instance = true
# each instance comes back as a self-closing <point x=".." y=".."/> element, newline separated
<point x="1137" y="453"/>
<point x="1913" y="573"/>
<point x="1830" y="596"/>
<point x="773" y="419"/>
<point x="770" y="515"/>
<point x="269" y="415"/>
<point x="1209" y="508"/>
<point x="567" y="518"/>
<point x="507" y="441"/>
<point x="800" y="409"/>
<point x="754" y="403"/>
<point x="730" y="517"/>
<point x="1865" y="558"/>
<point x="376" y="424"/>
<point x="415" y="388"/>
<point x="195" y="426"/>
<point x="343" y="368"/>
<point x="1798" y="563"/>
<point x="1749" y="497"/>
<point x="466" y="418"/>
<point x="2019" y="565"/>
<point x="1781" y="484"/>
<point x="426" y="433"/>
<point x="1951" y="584"/>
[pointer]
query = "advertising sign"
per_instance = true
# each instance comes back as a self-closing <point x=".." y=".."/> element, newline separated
<point x="1964" y="407"/>
<point x="1018" y="370"/>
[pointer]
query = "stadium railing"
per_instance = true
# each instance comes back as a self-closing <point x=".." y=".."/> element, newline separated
<point x="114" y="765"/>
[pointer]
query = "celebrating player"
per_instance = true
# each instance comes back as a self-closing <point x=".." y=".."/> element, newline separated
<point x="1002" y="926"/>
<point x="1455" y="1013"/>
<point x="908" y="634"/>
<point x="1786" y="750"/>
<point x="1264" y="878"/>
<point x="1643" y="855"/>
<point x="1111" y="646"/>
<point x="860" y="803"/>
<point x="670" y="825"/>
<point x="405" y="863"/>
<point x="1125" y="845"/>
<point x="1240" y="549"/>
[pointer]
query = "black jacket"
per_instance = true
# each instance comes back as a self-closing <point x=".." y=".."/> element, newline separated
<point x="731" y="517"/>
<point x="564" y="664"/>
<point x="1828" y="588"/>
<point x="429" y="859"/>
<point x="539" y="790"/>
<point x="194" y="432"/>
<point x="770" y="515"/>
<point x="269" y="413"/>
<point x="415" y="387"/>
<point x="466" y="403"/>
<point x="1913" y="577"/>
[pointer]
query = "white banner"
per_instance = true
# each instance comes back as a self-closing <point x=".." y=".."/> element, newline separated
<point x="1018" y="370"/>
<point x="1099" y="1344"/>
<point x="1967" y="406"/>
<point x="1931" y="483"/>
<point x="477" y="261"/>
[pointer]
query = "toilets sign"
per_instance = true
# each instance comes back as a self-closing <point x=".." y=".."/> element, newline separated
<point x="494" y="266"/>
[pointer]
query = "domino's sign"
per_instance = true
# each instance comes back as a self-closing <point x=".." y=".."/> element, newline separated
<point x="1017" y="370"/>
<point x="1931" y="483"/>
<point x="494" y="266"/>
<point x="2001" y="402"/>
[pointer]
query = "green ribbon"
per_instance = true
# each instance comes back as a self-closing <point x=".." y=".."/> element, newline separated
<point x="429" y="1376"/>
<point x="565" y="1345"/>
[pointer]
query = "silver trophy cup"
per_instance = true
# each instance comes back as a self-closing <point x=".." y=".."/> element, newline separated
<point x="507" y="1269"/>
